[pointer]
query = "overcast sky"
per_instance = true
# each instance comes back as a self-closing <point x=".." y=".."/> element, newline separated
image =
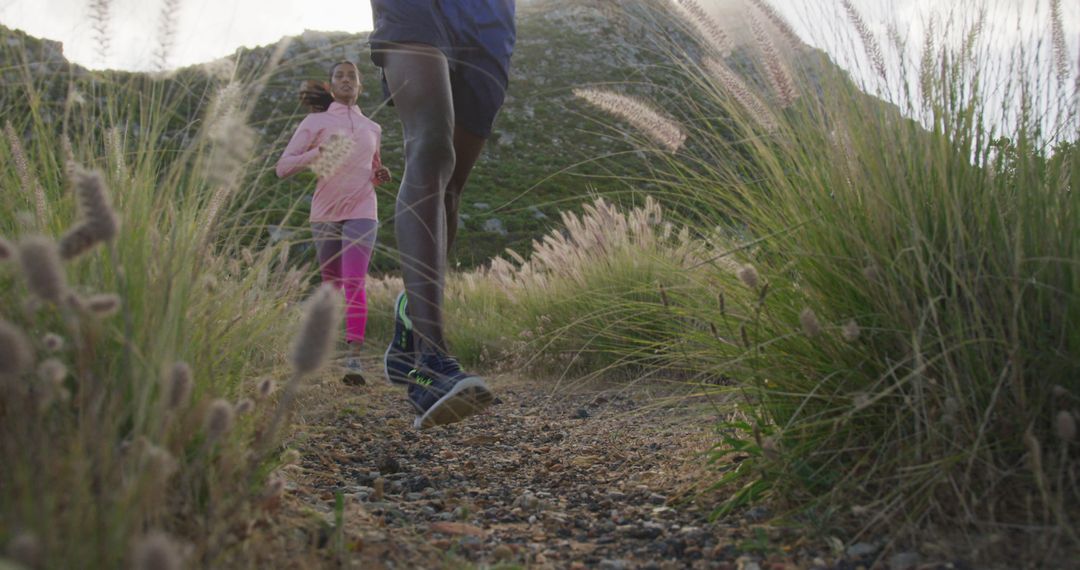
<point x="209" y="29"/>
<point x="205" y="29"/>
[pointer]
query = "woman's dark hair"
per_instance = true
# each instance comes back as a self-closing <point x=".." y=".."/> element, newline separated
<point x="316" y="94"/>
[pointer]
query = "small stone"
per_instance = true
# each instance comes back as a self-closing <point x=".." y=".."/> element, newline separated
<point x="608" y="564"/>
<point x="757" y="514"/>
<point x="744" y="563"/>
<point x="904" y="561"/>
<point x="581" y="414"/>
<point x="860" y="549"/>
<point x="657" y="499"/>
<point x="495" y="226"/>
<point x="502" y="553"/>
<point x="527" y="501"/>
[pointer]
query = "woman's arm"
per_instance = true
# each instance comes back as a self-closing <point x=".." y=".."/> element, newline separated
<point x="301" y="151"/>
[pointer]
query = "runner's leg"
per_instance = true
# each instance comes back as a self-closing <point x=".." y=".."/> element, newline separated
<point x="419" y="80"/>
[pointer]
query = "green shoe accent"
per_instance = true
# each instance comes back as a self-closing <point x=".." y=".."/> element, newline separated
<point x="403" y="304"/>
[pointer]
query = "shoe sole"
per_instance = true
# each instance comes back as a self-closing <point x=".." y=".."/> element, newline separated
<point x="466" y="398"/>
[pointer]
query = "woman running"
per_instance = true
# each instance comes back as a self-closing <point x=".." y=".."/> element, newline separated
<point x="341" y="146"/>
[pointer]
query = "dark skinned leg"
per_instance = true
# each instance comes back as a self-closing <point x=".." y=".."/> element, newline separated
<point x="467" y="147"/>
<point x="419" y="81"/>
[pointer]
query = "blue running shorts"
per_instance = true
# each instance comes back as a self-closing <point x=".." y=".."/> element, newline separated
<point x="477" y="37"/>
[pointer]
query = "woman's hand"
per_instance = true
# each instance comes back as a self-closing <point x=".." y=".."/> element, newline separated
<point x="382" y="175"/>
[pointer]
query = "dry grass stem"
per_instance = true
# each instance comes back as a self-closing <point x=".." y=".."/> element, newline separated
<point x="245" y="406"/>
<point x="166" y="35"/>
<point x="103" y="304"/>
<point x="219" y="419"/>
<point x="749" y="276"/>
<point x="52" y="371"/>
<point x="156" y="551"/>
<point x="52" y="342"/>
<point x="39" y="258"/>
<point x="314" y="342"/>
<point x="851" y="331"/>
<point x="16" y="353"/>
<point x="265" y="388"/>
<point x="1065" y="426"/>
<point x="332" y="155"/>
<point x="29" y="182"/>
<point x="776" y="68"/>
<point x="870" y="43"/>
<point x="734" y="86"/>
<point x="779" y="22"/>
<point x="99" y="22"/>
<point x="663" y="130"/>
<point x="712" y="36"/>
<point x="1060" y="45"/>
<point x="98" y="221"/>
<point x="178" y="386"/>
<point x="810" y="325"/>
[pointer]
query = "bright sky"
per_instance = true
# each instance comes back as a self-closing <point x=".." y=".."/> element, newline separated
<point x="209" y="29"/>
<point x="205" y="29"/>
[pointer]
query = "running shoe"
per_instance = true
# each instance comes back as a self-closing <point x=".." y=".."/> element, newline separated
<point x="443" y="393"/>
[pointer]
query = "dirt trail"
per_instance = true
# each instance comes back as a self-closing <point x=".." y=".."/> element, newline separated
<point x="573" y="477"/>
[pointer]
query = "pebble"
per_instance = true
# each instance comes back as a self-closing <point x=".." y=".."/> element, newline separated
<point x="757" y="514"/>
<point x="904" y="561"/>
<point x="860" y="549"/>
<point x="502" y="553"/>
<point x="744" y="563"/>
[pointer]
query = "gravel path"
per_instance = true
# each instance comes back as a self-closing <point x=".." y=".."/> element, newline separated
<point x="570" y="477"/>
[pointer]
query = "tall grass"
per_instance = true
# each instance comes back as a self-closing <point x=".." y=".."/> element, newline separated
<point x="906" y="339"/>
<point x="588" y="291"/>
<point x="138" y="420"/>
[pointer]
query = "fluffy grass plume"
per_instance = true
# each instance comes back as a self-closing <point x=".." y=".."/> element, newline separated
<point x="318" y="329"/>
<point x="662" y="130"/>
<point x="16" y="353"/>
<point x="99" y="222"/>
<point x="39" y="258"/>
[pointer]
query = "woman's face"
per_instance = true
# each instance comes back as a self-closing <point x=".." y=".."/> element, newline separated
<point x="345" y="83"/>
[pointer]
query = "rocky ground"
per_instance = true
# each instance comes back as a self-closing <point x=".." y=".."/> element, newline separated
<point x="550" y="477"/>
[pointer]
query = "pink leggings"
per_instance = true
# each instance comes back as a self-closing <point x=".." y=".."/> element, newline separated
<point x="344" y="250"/>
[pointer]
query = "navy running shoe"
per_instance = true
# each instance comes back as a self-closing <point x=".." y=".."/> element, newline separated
<point x="443" y="393"/>
<point x="400" y="356"/>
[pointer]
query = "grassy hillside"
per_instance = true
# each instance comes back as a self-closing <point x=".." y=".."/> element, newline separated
<point x="547" y="153"/>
